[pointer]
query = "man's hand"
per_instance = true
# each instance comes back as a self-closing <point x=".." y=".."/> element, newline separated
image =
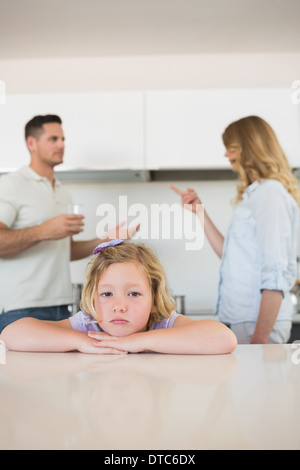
<point x="121" y="232"/>
<point x="62" y="226"/>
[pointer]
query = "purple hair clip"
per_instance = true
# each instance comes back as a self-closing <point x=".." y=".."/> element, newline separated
<point x="105" y="245"/>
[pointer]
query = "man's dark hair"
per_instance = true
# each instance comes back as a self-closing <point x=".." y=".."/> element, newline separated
<point x="34" y="127"/>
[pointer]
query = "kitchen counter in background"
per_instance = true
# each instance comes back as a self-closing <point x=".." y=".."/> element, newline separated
<point x="245" y="400"/>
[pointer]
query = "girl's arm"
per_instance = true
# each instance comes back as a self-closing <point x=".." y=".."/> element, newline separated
<point x="32" y="335"/>
<point x="186" y="337"/>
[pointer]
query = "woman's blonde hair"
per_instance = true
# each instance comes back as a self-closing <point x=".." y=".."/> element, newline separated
<point x="260" y="155"/>
<point x="149" y="263"/>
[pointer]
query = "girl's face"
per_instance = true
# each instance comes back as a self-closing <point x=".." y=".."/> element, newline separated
<point x="123" y="300"/>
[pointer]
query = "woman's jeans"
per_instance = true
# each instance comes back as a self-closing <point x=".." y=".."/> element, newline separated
<point x="57" y="313"/>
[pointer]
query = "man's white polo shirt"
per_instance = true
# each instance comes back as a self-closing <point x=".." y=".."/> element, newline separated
<point x="40" y="275"/>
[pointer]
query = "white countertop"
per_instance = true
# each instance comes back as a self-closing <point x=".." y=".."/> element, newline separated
<point x="246" y="400"/>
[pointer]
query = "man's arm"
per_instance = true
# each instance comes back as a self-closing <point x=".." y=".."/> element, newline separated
<point x="13" y="242"/>
<point x="83" y="249"/>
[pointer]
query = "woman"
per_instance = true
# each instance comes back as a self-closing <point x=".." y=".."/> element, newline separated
<point x="258" y="267"/>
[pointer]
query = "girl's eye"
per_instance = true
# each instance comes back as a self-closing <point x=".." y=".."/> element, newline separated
<point x="134" y="294"/>
<point x="106" y="294"/>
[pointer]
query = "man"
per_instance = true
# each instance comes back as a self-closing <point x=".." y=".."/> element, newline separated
<point x="36" y="242"/>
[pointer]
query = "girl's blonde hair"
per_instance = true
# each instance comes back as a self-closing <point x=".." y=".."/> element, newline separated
<point x="259" y="155"/>
<point x="143" y="257"/>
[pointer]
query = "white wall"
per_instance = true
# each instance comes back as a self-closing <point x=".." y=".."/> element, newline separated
<point x="151" y="72"/>
<point x="194" y="274"/>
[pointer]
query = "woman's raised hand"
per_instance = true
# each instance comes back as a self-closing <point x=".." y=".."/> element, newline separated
<point x="189" y="198"/>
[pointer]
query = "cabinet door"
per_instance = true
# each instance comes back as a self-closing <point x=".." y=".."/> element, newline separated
<point x="102" y="130"/>
<point x="184" y="128"/>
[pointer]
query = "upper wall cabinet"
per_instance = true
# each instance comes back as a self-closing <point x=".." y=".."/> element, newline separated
<point x="184" y="128"/>
<point x="151" y="130"/>
<point x="102" y="130"/>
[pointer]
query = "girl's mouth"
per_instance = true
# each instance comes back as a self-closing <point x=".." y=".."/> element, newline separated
<point x="118" y="321"/>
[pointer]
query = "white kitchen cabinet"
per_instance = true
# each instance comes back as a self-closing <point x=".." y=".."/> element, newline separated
<point x="103" y="130"/>
<point x="184" y="127"/>
<point x="171" y="129"/>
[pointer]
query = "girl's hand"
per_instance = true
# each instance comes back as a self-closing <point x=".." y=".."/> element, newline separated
<point x="133" y="343"/>
<point x="189" y="198"/>
<point x="93" y="344"/>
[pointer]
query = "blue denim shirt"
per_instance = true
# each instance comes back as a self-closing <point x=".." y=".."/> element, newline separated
<point x="260" y="252"/>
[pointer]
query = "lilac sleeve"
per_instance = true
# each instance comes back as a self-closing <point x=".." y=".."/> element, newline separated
<point x="166" y="322"/>
<point x="81" y="321"/>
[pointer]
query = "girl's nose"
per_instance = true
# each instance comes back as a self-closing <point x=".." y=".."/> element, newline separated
<point x="119" y="307"/>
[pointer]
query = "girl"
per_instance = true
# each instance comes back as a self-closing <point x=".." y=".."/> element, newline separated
<point x="259" y="253"/>
<point x="126" y="308"/>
